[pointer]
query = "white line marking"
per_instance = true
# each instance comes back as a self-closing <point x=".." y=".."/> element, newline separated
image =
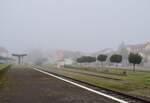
<point x="81" y="86"/>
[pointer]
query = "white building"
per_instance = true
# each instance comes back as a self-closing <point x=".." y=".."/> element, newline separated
<point x="64" y="62"/>
<point x="68" y="61"/>
<point x="142" y="49"/>
<point x="139" y="48"/>
<point x="3" y="52"/>
<point x="3" y="55"/>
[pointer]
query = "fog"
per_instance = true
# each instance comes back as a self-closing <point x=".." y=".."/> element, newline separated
<point x="85" y="25"/>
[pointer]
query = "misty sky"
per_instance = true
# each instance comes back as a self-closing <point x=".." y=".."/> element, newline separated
<point x="86" y="25"/>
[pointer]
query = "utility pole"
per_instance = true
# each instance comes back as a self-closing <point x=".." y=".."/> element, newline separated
<point x="20" y="57"/>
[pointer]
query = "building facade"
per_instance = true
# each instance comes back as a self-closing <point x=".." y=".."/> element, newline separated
<point x="143" y="50"/>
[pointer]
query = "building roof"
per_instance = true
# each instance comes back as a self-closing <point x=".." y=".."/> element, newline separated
<point x="3" y="50"/>
<point x="138" y="46"/>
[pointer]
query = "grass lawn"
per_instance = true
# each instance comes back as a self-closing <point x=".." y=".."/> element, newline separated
<point x="3" y="66"/>
<point x="135" y="83"/>
<point x="3" y="69"/>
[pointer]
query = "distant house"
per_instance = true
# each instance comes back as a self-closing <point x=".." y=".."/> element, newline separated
<point x="3" y="52"/>
<point x="64" y="62"/>
<point x="139" y="48"/>
<point x="143" y="50"/>
<point x="3" y="60"/>
<point x="3" y="55"/>
<point x="60" y="64"/>
<point x="59" y="55"/>
<point x="68" y="61"/>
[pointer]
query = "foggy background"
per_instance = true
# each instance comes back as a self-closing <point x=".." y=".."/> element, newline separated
<point x="85" y="25"/>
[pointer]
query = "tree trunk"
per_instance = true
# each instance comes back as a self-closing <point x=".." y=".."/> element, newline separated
<point x="116" y="65"/>
<point x="133" y="67"/>
<point x="102" y="65"/>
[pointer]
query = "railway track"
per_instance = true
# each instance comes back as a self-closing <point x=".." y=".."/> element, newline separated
<point x="123" y="96"/>
<point x="90" y="74"/>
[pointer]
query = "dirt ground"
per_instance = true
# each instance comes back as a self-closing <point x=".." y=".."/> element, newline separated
<point x="25" y="85"/>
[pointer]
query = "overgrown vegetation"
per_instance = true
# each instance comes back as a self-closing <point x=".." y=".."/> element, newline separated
<point x="134" y="83"/>
<point x="3" y="69"/>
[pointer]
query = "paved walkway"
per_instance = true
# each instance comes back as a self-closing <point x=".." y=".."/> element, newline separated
<point x="25" y="85"/>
